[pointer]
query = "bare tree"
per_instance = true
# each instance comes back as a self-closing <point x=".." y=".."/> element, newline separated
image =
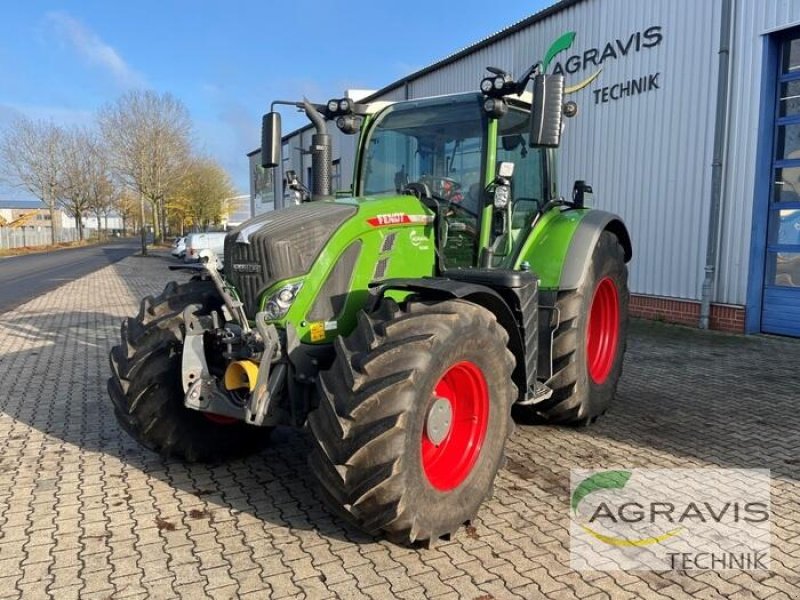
<point x="30" y="158"/>
<point x="77" y="175"/>
<point x="101" y="189"/>
<point x="126" y="206"/>
<point x="149" y="140"/>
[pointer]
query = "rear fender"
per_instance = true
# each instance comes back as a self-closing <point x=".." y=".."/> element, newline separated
<point x="584" y="240"/>
<point x="559" y="248"/>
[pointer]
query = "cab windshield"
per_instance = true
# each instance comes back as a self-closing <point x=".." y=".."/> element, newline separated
<point x="438" y="142"/>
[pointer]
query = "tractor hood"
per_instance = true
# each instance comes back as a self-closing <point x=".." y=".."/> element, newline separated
<point x="278" y="245"/>
<point x="288" y="243"/>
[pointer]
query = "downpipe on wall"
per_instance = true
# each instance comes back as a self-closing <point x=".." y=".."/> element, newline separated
<point x="718" y="163"/>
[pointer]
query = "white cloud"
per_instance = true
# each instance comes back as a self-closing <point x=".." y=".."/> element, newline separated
<point x="57" y="114"/>
<point x="93" y="49"/>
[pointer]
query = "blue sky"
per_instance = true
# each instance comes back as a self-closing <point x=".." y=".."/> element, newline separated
<point x="225" y="60"/>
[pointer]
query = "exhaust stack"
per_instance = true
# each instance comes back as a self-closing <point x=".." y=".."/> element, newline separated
<point x="321" y="166"/>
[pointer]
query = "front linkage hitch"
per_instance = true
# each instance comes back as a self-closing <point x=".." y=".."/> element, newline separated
<point x="201" y="388"/>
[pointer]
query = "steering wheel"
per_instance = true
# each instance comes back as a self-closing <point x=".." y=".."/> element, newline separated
<point x="418" y="189"/>
<point x="444" y="188"/>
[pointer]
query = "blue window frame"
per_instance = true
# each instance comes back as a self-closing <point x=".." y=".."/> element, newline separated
<point x="774" y="278"/>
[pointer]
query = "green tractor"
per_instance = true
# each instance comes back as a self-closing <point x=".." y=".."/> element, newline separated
<point x="402" y="321"/>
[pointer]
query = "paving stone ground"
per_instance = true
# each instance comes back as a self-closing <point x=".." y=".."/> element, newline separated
<point x="86" y="513"/>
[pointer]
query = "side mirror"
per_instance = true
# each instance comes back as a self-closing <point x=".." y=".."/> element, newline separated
<point x="271" y="140"/>
<point x="546" y="115"/>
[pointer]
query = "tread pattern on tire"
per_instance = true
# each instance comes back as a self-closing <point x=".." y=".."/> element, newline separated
<point x="145" y="384"/>
<point x="365" y="402"/>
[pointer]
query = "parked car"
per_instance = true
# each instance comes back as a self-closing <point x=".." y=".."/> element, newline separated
<point x="195" y="242"/>
<point x="179" y="247"/>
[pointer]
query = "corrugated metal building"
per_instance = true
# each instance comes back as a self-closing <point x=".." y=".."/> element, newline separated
<point x="675" y="77"/>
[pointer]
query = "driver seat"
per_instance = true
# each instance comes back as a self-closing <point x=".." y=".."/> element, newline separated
<point x="473" y="199"/>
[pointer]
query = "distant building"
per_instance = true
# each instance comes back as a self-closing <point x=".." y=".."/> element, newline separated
<point x="110" y="223"/>
<point x="31" y="213"/>
<point x="237" y="210"/>
<point x="35" y="214"/>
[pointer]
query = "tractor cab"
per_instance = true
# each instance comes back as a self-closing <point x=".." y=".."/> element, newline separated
<point x="477" y="170"/>
<point x="481" y="162"/>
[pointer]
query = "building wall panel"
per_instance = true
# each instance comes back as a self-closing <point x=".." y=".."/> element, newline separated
<point x="647" y="155"/>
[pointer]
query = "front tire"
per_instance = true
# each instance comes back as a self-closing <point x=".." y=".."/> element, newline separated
<point x="146" y="389"/>
<point x="413" y="418"/>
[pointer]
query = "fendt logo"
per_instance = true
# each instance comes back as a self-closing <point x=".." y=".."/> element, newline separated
<point x="399" y="219"/>
<point x="247" y="267"/>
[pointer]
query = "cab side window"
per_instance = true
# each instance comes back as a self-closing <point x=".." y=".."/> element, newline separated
<point x="528" y="189"/>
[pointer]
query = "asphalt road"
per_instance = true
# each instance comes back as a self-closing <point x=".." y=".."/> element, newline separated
<point x="25" y="277"/>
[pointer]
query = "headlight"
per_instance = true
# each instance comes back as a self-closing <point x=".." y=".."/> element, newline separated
<point x="348" y="124"/>
<point x="495" y="107"/>
<point x="501" y="196"/>
<point x="281" y="301"/>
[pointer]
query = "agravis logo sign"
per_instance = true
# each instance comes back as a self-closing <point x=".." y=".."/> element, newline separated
<point x="593" y="60"/>
<point x="670" y="519"/>
<point x="561" y="45"/>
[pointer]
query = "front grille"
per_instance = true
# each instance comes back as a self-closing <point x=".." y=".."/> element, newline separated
<point x="278" y="245"/>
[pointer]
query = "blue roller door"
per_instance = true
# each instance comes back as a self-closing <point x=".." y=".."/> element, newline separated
<point x="781" y="292"/>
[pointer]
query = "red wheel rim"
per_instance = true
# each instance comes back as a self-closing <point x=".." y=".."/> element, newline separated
<point x="447" y="464"/>
<point x="219" y="419"/>
<point x="603" y="331"/>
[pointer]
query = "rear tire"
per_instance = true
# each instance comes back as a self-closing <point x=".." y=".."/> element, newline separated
<point x="146" y="388"/>
<point x="589" y="344"/>
<point x="377" y="421"/>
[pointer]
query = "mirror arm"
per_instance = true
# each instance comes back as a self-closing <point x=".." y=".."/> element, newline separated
<point x="285" y="103"/>
<point x="522" y="82"/>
